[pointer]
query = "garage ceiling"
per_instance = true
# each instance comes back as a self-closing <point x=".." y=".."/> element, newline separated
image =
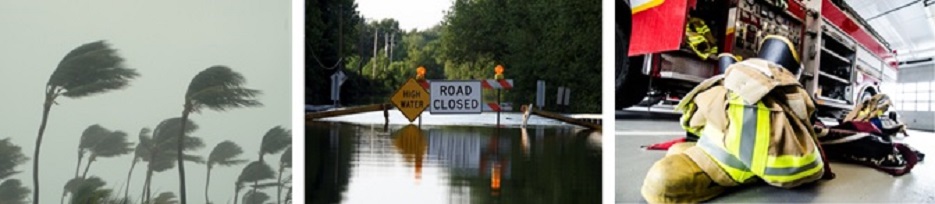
<point x="907" y="25"/>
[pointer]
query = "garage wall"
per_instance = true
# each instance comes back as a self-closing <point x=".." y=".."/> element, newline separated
<point x="913" y="95"/>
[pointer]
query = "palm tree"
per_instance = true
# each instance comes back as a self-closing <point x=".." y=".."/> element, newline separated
<point x="138" y="153"/>
<point x="87" y="190"/>
<point x="285" y="161"/>
<point x="217" y="88"/>
<point x="255" y="172"/>
<point x="89" y="69"/>
<point x="111" y="145"/>
<point x="90" y="137"/>
<point x="160" y="153"/>
<point x="275" y="140"/>
<point x="223" y="154"/>
<point x="11" y="190"/>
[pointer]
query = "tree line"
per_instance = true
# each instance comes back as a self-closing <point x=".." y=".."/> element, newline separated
<point x="95" y="68"/>
<point x="558" y="41"/>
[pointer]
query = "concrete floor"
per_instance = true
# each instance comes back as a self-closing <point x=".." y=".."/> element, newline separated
<point x="853" y="184"/>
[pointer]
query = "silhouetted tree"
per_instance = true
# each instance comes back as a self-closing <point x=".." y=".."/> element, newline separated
<point x="224" y="155"/>
<point x="89" y="69"/>
<point x="217" y="88"/>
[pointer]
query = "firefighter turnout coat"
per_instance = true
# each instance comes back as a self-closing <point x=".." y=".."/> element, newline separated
<point x="754" y="125"/>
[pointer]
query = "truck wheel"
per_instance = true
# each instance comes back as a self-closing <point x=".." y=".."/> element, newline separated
<point x="631" y="85"/>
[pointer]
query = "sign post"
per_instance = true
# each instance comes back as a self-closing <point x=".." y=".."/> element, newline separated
<point x="337" y="79"/>
<point x="455" y="97"/>
<point x="411" y="99"/>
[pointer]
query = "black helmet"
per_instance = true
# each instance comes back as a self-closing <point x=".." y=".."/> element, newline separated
<point x="724" y="60"/>
<point x="780" y="50"/>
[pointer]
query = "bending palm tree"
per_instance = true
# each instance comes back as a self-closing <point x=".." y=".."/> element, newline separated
<point x="223" y="154"/>
<point x="217" y="88"/>
<point x="89" y="69"/>
<point x="111" y="145"/>
<point x="285" y="161"/>
<point x="161" y="153"/>
<point x="138" y="153"/>
<point x="253" y="172"/>
<point x="11" y="190"/>
<point x="274" y="141"/>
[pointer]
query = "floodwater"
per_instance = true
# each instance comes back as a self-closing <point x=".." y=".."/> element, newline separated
<point x="350" y="163"/>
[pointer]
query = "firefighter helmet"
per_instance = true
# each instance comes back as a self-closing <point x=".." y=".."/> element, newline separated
<point x="780" y="50"/>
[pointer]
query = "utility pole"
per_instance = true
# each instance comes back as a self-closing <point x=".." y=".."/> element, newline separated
<point x="373" y="67"/>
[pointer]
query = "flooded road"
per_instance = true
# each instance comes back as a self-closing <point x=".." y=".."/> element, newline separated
<point x="349" y="163"/>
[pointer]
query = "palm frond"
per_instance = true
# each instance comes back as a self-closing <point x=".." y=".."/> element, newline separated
<point x="13" y="192"/>
<point x="113" y="144"/>
<point x="90" y="69"/>
<point x="165" y="198"/>
<point x="220" y="88"/>
<point x="10" y="156"/>
<point x="256" y="171"/>
<point x="286" y="158"/>
<point x="255" y="197"/>
<point x="275" y="140"/>
<point x="224" y="154"/>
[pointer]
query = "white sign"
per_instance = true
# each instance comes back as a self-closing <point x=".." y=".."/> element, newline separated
<point x="337" y="79"/>
<point x="455" y="97"/>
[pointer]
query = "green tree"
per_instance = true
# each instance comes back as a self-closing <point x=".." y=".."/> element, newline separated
<point x="332" y="32"/>
<point x="11" y="190"/>
<point x="224" y="154"/>
<point x="217" y="88"/>
<point x="557" y="41"/>
<point x="87" y="70"/>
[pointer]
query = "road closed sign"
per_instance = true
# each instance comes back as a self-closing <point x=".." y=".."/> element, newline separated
<point x="455" y="97"/>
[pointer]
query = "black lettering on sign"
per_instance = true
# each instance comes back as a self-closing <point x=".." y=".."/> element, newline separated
<point x="456" y="90"/>
<point x="411" y="104"/>
<point x="411" y="93"/>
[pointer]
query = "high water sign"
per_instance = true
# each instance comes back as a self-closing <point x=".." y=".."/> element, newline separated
<point x="455" y="97"/>
<point x="411" y="99"/>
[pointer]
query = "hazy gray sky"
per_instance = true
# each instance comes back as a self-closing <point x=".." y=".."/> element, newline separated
<point x="168" y="42"/>
<point x="418" y="14"/>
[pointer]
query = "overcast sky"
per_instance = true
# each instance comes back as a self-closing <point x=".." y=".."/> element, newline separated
<point x="168" y="42"/>
<point x="418" y="14"/>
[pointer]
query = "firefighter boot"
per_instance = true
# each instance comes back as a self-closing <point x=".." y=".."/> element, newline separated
<point x="677" y="179"/>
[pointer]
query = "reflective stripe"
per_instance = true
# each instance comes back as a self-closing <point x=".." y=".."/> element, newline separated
<point x="744" y="152"/>
<point x="748" y="135"/>
<point x="728" y="162"/>
<point x="791" y="170"/>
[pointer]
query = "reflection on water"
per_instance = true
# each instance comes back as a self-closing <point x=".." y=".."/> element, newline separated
<point x="363" y="164"/>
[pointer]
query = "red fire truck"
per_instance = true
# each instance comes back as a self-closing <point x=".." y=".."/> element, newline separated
<point x="666" y="47"/>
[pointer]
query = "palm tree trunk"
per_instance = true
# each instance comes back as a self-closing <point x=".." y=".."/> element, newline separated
<point x="236" y="194"/>
<point x="148" y="192"/>
<point x="181" y="139"/>
<point x="49" y="97"/>
<point x="78" y="166"/>
<point x="86" y="168"/>
<point x="279" y="184"/>
<point x="207" y="183"/>
<point x="126" y="192"/>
